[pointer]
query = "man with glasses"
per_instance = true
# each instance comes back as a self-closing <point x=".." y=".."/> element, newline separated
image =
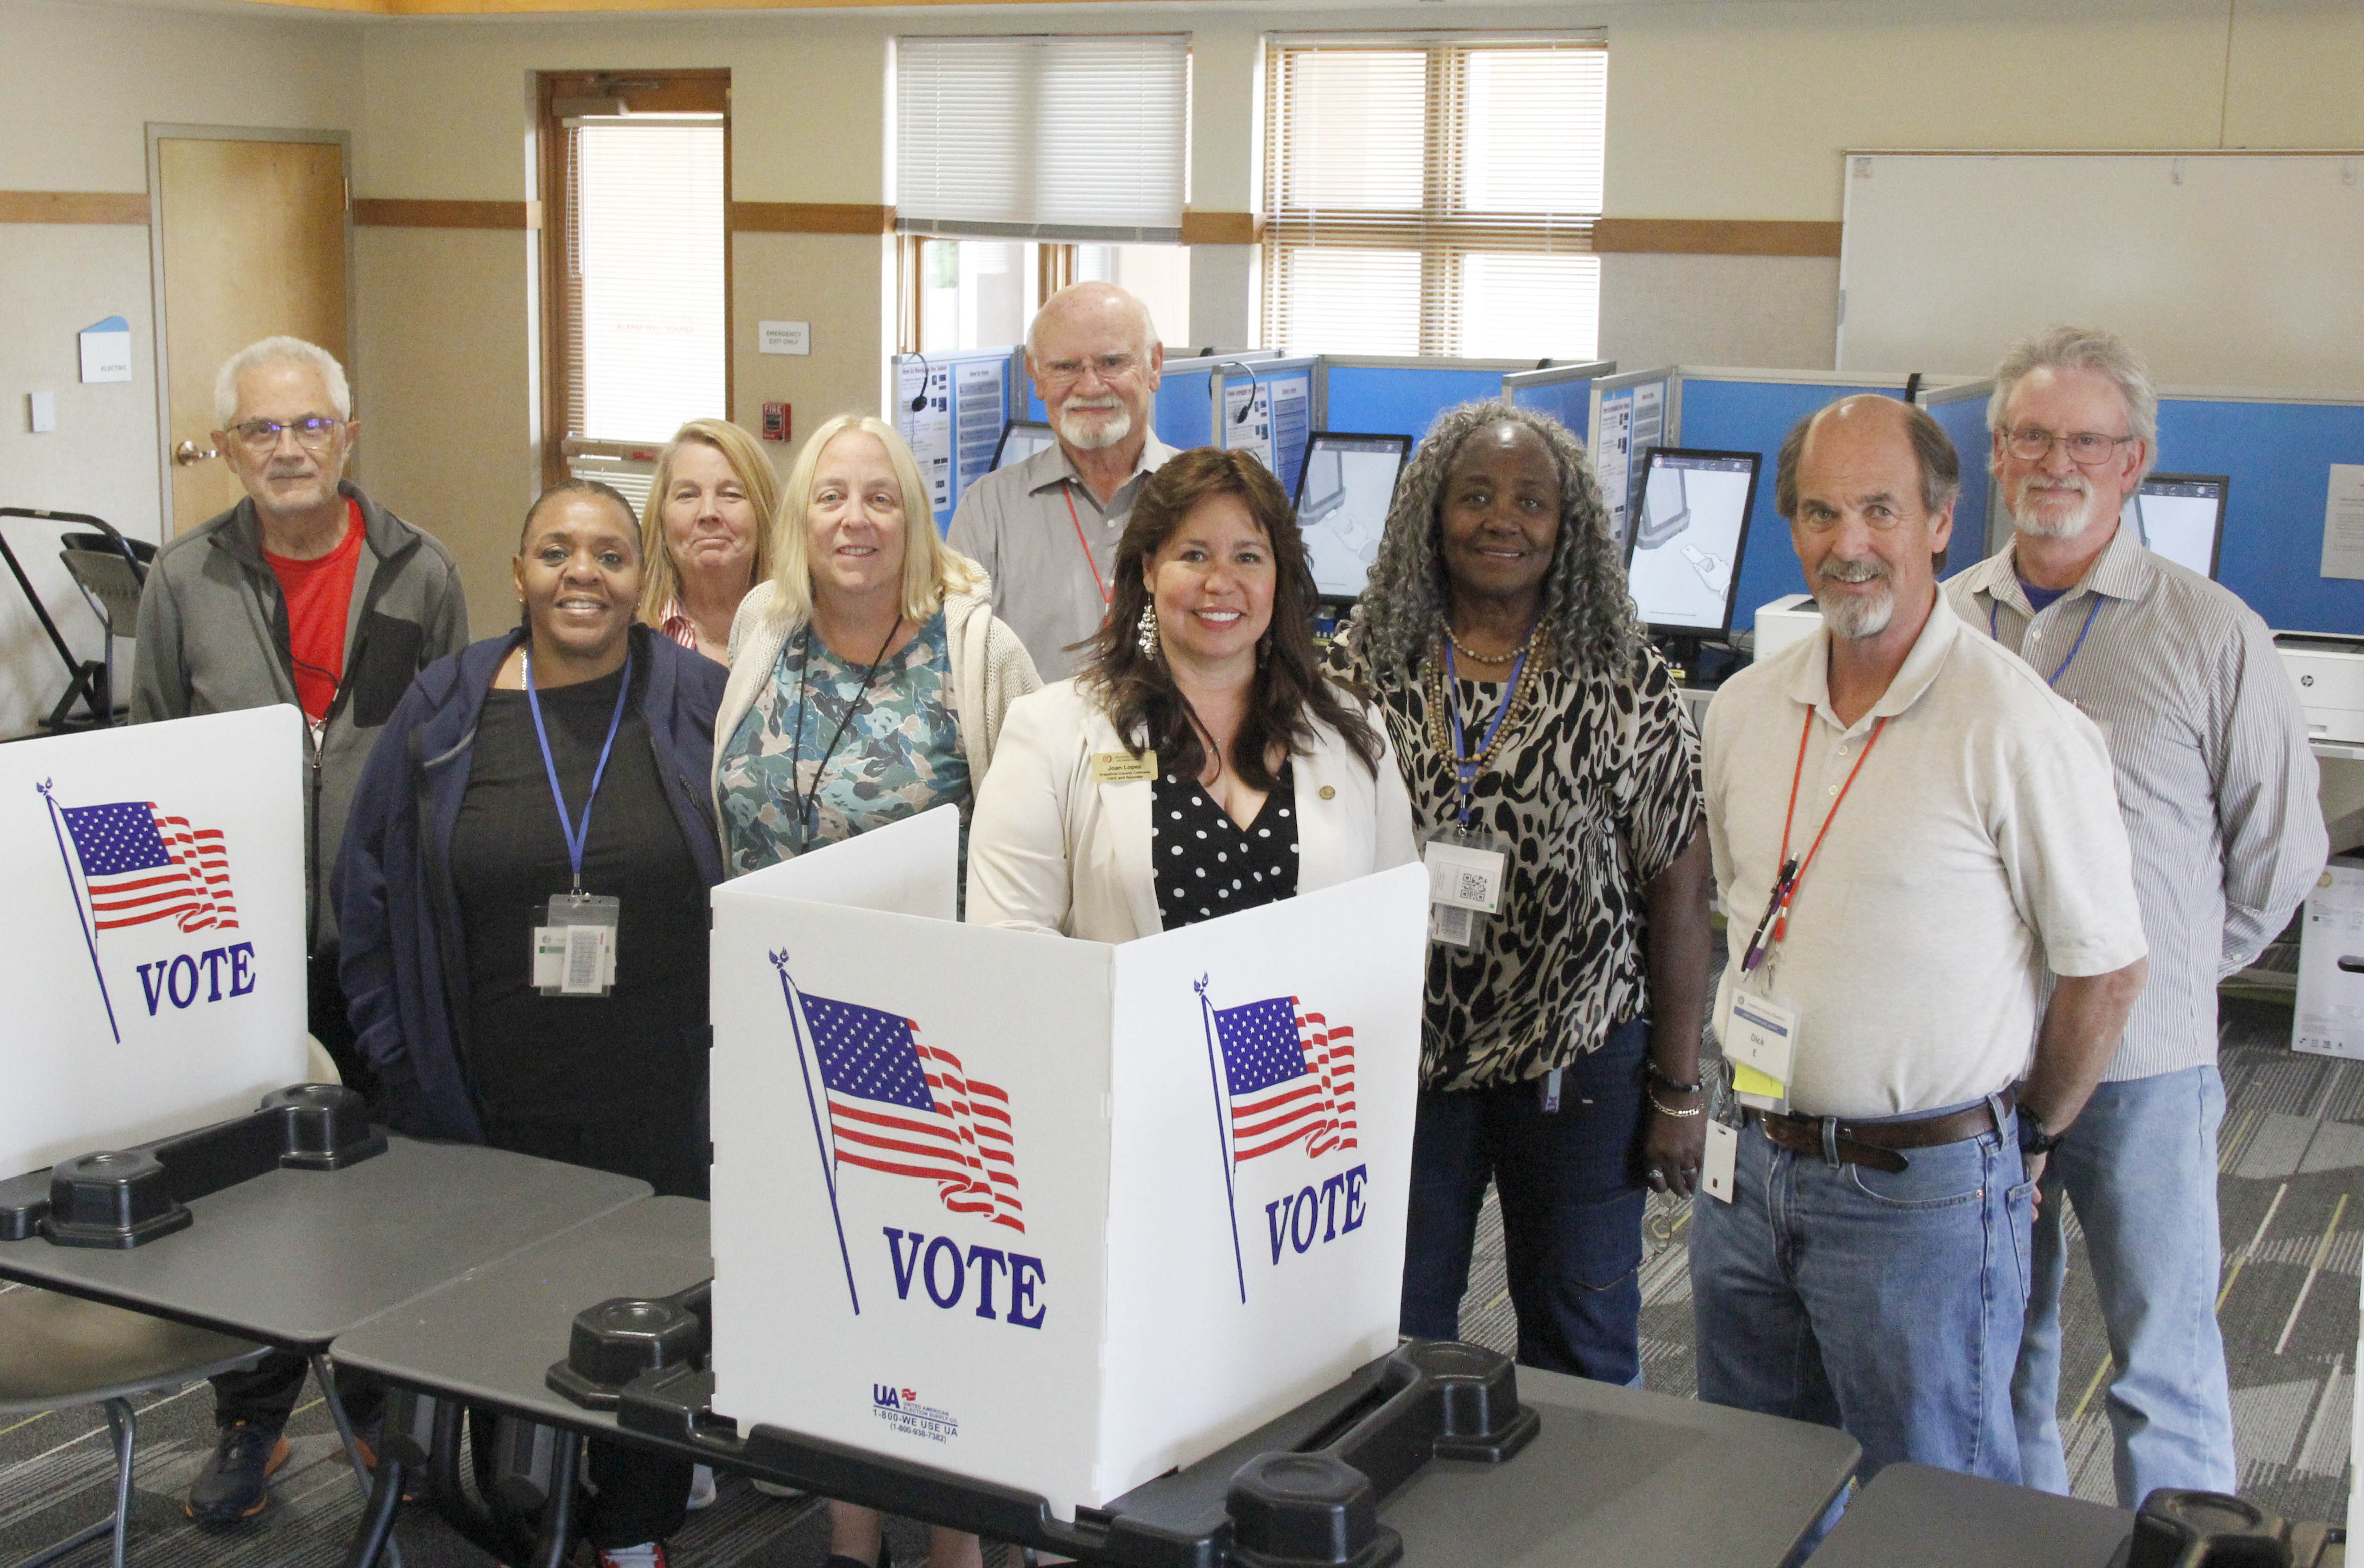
<point x="2217" y="788"/>
<point x="305" y="592"/>
<point x="1046" y="529"/>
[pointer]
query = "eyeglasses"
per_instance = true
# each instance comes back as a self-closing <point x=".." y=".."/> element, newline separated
<point x="1110" y="367"/>
<point x="2087" y="449"/>
<point x="311" y="432"/>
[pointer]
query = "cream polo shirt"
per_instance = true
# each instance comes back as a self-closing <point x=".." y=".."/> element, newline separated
<point x="1979" y="846"/>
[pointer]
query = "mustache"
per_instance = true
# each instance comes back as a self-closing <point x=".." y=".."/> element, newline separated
<point x="1854" y="570"/>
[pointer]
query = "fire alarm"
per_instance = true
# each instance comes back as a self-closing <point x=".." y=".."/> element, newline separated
<point x="776" y="421"/>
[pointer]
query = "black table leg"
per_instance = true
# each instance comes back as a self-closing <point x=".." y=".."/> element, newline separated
<point x="377" y="1522"/>
<point x="558" y="1514"/>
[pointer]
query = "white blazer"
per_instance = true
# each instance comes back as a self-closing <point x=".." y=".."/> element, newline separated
<point x="1051" y="850"/>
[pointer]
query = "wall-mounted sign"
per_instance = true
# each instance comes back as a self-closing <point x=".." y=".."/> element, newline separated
<point x="106" y="350"/>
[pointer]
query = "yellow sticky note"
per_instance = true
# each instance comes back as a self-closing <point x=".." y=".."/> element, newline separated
<point x="1746" y="1080"/>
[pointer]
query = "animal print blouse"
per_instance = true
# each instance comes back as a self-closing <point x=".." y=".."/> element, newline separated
<point x="1595" y="785"/>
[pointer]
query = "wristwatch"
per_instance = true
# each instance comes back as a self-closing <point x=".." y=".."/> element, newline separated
<point x="2034" y="1138"/>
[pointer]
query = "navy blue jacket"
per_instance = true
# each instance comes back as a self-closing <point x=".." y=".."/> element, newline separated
<point x="404" y="966"/>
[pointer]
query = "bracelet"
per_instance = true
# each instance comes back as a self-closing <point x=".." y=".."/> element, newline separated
<point x="1669" y="1080"/>
<point x="1664" y="1109"/>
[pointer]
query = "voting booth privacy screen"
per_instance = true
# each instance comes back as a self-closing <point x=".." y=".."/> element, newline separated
<point x="1043" y="1212"/>
<point x="152" y="946"/>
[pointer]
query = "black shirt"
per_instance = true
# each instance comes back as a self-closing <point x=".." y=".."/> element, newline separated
<point x="1206" y="864"/>
<point x="638" y="1053"/>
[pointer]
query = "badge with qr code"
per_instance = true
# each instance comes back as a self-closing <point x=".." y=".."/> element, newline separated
<point x="1464" y="876"/>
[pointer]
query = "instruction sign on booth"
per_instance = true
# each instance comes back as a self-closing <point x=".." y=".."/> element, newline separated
<point x="151" y="942"/>
<point x="1055" y="1214"/>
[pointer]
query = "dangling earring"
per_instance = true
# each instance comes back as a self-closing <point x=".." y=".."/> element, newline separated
<point x="1148" y="638"/>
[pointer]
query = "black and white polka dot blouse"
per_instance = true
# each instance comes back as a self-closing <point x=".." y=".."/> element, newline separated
<point x="1208" y="864"/>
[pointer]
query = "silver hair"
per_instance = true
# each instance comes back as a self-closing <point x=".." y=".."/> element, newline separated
<point x="1148" y="327"/>
<point x="1594" y="626"/>
<point x="279" y="351"/>
<point x="2084" y="348"/>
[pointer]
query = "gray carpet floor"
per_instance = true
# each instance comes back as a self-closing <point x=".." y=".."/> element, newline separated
<point x="2292" y="1144"/>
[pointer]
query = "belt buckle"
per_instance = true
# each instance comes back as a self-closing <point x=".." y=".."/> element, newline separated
<point x="1830" y="1126"/>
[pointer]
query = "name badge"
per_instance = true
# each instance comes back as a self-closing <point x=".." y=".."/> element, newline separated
<point x="1123" y="767"/>
<point x="1722" y="1155"/>
<point x="1463" y="877"/>
<point x="574" y="954"/>
<point x="1762" y="1035"/>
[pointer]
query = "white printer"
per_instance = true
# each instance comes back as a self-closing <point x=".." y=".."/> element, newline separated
<point x="2328" y="670"/>
<point x="1786" y="620"/>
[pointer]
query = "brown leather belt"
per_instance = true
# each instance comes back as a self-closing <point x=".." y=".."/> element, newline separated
<point x="1875" y="1143"/>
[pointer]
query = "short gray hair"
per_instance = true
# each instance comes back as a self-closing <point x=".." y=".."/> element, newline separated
<point x="279" y="351"/>
<point x="2084" y="348"/>
<point x="1148" y="327"/>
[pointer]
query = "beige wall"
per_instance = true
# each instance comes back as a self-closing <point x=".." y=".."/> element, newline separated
<point x="85" y="81"/>
<point x="1736" y="109"/>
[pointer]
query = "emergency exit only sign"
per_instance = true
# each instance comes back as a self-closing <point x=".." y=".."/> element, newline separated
<point x="786" y="337"/>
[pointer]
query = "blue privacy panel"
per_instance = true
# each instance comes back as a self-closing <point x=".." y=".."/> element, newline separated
<point x="1569" y="402"/>
<point x="2280" y="457"/>
<point x="1753" y="415"/>
<point x="1964" y="420"/>
<point x="1402" y="401"/>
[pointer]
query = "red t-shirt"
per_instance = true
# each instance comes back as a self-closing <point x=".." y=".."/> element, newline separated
<point x="319" y="596"/>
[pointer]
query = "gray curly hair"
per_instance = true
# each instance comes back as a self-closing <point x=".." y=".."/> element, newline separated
<point x="1594" y="628"/>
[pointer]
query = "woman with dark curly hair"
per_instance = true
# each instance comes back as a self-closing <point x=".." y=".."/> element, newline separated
<point x="1203" y="763"/>
<point x="1548" y="757"/>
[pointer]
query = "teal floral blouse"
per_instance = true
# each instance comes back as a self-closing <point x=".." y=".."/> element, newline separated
<point x="899" y="754"/>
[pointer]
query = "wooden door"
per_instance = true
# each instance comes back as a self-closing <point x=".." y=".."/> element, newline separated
<point x="251" y="242"/>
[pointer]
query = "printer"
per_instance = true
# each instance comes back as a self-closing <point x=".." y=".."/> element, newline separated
<point x="2328" y="670"/>
<point x="1791" y="619"/>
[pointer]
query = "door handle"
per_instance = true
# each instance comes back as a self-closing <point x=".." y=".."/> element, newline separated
<point x="187" y="454"/>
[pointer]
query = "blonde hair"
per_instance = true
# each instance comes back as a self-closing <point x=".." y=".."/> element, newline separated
<point x="930" y="567"/>
<point x="661" y="579"/>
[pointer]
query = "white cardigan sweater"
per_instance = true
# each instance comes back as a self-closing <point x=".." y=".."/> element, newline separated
<point x="991" y="670"/>
<point x="1051" y="850"/>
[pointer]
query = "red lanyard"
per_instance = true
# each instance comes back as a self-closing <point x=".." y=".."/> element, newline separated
<point x="1073" y="517"/>
<point x="1785" y="885"/>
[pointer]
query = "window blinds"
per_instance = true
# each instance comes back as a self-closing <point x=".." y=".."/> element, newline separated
<point x="1079" y="138"/>
<point x="1433" y="194"/>
<point x="645" y="280"/>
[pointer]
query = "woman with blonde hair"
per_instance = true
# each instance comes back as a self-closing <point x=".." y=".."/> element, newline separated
<point x="706" y="533"/>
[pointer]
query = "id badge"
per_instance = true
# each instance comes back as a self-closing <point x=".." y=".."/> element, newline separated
<point x="1466" y="869"/>
<point x="1719" y="1160"/>
<point x="1760" y="1037"/>
<point x="574" y="954"/>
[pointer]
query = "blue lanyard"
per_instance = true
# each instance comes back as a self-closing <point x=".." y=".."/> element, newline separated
<point x="1464" y="764"/>
<point x="1994" y="608"/>
<point x="577" y="837"/>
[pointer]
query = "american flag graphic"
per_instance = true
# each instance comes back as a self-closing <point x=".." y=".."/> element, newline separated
<point x="139" y="865"/>
<point x="900" y="1106"/>
<point x="1292" y="1078"/>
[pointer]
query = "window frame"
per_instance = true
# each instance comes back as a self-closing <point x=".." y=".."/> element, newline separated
<point x="676" y="91"/>
<point x="1440" y="229"/>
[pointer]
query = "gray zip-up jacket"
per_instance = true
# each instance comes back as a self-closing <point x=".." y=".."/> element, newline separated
<point x="212" y="638"/>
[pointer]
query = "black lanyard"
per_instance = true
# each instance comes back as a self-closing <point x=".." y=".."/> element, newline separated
<point x="577" y="838"/>
<point x="808" y="799"/>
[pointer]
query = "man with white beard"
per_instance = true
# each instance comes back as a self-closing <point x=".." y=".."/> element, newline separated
<point x="1046" y="529"/>
<point x="1911" y="835"/>
<point x="2217" y="788"/>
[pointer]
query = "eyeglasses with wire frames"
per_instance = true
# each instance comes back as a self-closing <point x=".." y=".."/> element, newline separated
<point x="312" y="432"/>
<point x="1108" y="367"/>
<point x="2087" y="449"/>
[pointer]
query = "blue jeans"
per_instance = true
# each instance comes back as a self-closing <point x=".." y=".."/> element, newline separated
<point x="1887" y="1306"/>
<point x="1571" y="1210"/>
<point x="2140" y="1165"/>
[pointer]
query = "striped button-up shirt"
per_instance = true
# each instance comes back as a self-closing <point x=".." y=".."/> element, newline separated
<point x="2216" y="780"/>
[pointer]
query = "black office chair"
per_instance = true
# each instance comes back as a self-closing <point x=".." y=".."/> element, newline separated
<point x="109" y="570"/>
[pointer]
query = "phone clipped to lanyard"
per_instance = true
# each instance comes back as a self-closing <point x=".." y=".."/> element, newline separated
<point x="575" y="950"/>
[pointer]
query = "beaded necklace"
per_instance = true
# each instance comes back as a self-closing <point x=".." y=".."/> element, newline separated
<point x="1477" y="657"/>
<point x="1515" y="705"/>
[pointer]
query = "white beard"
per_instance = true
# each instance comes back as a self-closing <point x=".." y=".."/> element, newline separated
<point x="2029" y="518"/>
<point x="1079" y="430"/>
<point x="1856" y="616"/>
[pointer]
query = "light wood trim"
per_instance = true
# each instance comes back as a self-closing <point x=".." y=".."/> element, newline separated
<point x="73" y="206"/>
<point x="1221" y="227"/>
<point x="403" y="211"/>
<point x="1715" y="237"/>
<point x="810" y="217"/>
